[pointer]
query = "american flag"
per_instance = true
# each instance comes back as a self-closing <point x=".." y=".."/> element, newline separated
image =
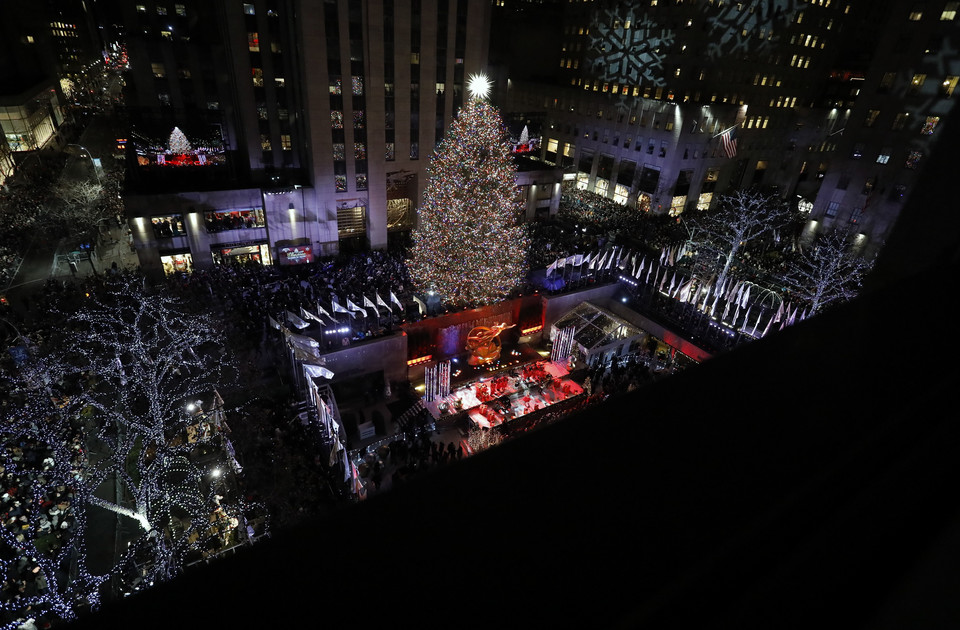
<point x="728" y="142"/>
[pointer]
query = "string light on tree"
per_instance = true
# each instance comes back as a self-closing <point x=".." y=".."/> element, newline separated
<point x="468" y="245"/>
<point x="178" y="143"/>
<point x="125" y="375"/>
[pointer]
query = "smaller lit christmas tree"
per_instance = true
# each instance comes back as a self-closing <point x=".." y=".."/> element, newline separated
<point x="178" y="143"/>
<point x="524" y="135"/>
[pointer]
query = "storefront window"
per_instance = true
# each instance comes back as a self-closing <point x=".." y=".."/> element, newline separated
<point x="235" y="219"/>
<point x="168" y="226"/>
<point x="258" y="253"/>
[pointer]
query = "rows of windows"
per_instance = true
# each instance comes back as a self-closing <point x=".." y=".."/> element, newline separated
<point x="948" y="14"/>
<point x="179" y="9"/>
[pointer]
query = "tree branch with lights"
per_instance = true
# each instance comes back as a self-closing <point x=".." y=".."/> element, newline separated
<point x="742" y="219"/>
<point x="827" y="271"/>
<point x="134" y="382"/>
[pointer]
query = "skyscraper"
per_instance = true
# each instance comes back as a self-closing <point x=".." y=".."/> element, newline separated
<point x="831" y="104"/>
<point x="314" y="121"/>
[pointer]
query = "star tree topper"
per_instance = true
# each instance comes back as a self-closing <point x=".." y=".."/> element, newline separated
<point x="479" y="86"/>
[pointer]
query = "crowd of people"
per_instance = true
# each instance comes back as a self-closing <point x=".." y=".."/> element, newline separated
<point x="257" y="293"/>
<point x="36" y="511"/>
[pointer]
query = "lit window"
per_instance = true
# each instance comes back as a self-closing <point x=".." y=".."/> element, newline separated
<point x="253" y="42"/>
<point x="913" y="159"/>
<point x="884" y="156"/>
<point x="871" y="118"/>
<point x="832" y="208"/>
<point x="390" y="152"/>
<point x="161" y="10"/>
<point x="857" y="151"/>
<point x="336" y="119"/>
<point x="950" y="11"/>
<point x="948" y="85"/>
<point x="915" y="15"/>
<point x="929" y="125"/>
<point x="257" y="74"/>
<point x="265" y="142"/>
<point x="180" y="10"/>
<point x="158" y="70"/>
<point x="141" y="8"/>
<point x="285" y="142"/>
<point x="248" y="9"/>
<point x="917" y="82"/>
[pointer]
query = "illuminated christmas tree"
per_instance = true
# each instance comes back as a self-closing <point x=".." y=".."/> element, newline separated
<point x="468" y="246"/>
<point x="178" y="143"/>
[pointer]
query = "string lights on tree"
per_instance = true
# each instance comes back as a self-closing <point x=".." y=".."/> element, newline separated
<point x="125" y="413"/>
<point x="468" y="246"/>
<point x="178" y="143"/>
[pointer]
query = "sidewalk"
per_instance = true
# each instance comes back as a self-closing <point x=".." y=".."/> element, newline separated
<point x="112" y="247"/>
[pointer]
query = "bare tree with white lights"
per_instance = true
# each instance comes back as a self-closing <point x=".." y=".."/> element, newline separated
<point x="743" y="217"/>
<point x="133" y="388"/>
<point x="826" y="272"/>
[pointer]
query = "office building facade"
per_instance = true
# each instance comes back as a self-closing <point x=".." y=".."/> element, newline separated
<point x="309" y="124"/>
<point x="663" y="105"/>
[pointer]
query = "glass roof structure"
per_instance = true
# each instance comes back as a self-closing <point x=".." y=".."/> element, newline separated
<point x="596" y="327"/>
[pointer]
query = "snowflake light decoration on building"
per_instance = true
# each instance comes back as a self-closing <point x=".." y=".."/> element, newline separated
<point x="628" y="55"/>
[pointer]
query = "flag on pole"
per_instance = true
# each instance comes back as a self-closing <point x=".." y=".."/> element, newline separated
<point x="394" y="299"/>
<point x="753" y="333"/>
<point x="609" y="261"/>
<point x="587" y="259"/>
<point x="380" y="302"/>
<point x="552" y="267"/>
<point x="421" y="305"/>
<point x="339" y="309"/>
<point x="316" y="370"/>
<point x="305" y="314"/>
<point x="368" y="302"/>
<point x="295" y="319"/>
<point x="323" y="311"/>
<point x="561" y="262"/>
<point x="603" y="259"/>
<point x="728" y="142"/>
<point x="352" y="306"/>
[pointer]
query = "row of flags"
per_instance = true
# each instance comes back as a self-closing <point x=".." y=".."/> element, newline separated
<point x="705" y="295"/>
<point x="300" y="320"/>
<point x="598" y="261"/>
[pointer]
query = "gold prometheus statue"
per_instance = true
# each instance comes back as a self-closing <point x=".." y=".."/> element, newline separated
<point x="483" y="342"/>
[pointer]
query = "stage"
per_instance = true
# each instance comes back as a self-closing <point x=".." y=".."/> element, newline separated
<point x="492" y="399"/>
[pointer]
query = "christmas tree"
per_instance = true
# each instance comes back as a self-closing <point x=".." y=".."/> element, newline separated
<point x="468" y="246"/>
<point x="178" y="143"/>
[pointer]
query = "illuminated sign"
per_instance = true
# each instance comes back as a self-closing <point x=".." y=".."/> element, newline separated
<point x="296" y="255"/>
